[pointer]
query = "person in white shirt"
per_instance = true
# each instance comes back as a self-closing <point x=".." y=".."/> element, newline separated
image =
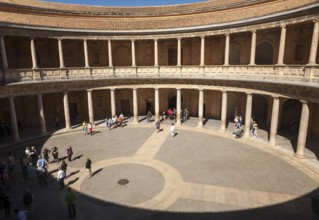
<point x="60" y="178"/>
<point x="172" y="130"/>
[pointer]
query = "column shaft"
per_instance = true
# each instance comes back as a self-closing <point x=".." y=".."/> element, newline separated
<point x="156" y="104"/>
<point x="224" y="111"/>
<point x="13" y="120"/>
<point x="41" y="115"/>
<point x="135" y="106"/>
<point x="249" y="106"/>
<point x="109" y="48"/>
<point x="60" y="53"/>
<point x="200" y="108"/>
<point x="226" y="63"/>
<point x="33" y="55"/>
<point x="179" y="51"/>
<point x="274" y="121"/>
<point x="202" y="51"/>
<point x="90" y="106"/>
<point x="66" y="111"/>
<point x="113" y="108"/>
<point x="282" y="46"/>
<point x="3" y="54"/>
<point x="314" y="44"/>
<point x="178" y="106"/>
<point x="155" y="52"/>
<point x="303" y="128"/>
<point x="133" y="53"/>
<point x="86" y="54"/>
<point x="253" y="47"/>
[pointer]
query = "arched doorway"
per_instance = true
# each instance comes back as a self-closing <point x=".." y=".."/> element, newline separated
<point x="234" y="54"/>
<point x="122" y="56"/>
<point x="264" y="53"/>
<point x="260" y="110"/>
<point x="291" y="116"/>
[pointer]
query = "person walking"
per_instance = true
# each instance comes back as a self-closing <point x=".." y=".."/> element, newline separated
<point x="149" y="116"/>
<point x="90" y="128"/>
<point x="70" y="201"/>
<point x="85" y="127"/>
<point x="69" y="152"/>
<point x="64" y="166"/>
<point x="28" y="200"/>
<point x="46" y="152"/>
<point x="172" y="130"/>
<point x="6" y="205"/>
<point x="158" y="125"/>
<point x="88" y="167"/>
<point x="60" y="178"/>
<point x="55" y="154"/>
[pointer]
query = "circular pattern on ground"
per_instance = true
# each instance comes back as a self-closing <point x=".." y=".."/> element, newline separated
<point x="143" y="183"/>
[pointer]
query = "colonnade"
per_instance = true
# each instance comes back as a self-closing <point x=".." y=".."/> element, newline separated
<point x="254" y="32"/>
<point x="248" y="114"/>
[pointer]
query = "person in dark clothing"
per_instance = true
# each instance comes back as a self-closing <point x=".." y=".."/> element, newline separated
<point x="88" y="167"/>
<point x="6" y="204"/>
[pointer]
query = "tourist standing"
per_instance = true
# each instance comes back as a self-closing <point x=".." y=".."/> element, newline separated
<point x="69" y="152"/>
<point x="64" y="166"/>
<point x="46" y="152"/>
<point x="60" y="178"/>
<point x="55" y="154"/>
<point x="88" y="167"/>
<point x="158" y="125"/>
<point x="70" y="201"/>
<point x="172" y="130"/>
<point x="90" y="128"/>
<point x="28" y="199"/>
<point x="6" y="205"/>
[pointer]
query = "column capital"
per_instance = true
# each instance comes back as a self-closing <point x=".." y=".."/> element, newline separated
<point x="112" y="89"/>
<point x="303" y="101"/>
<point x="249" y="93"/>
<point x="11" y="97"/>
<point x="134" y="88"/>
<point x="89" y="90"/>
<point x="200" y="89"/>
<point x="84" y="39"/>
<point x="275" y="97"/>
<point x="227" y="34"/>
<point x="179" y="38"/>
<point x="315" y="20"/>
<point x="132" y="40"/>
<point x="65" y="91"/>
<point x="224" y="91"/>
<point x="155" y="39"/>
<point x="253" y="31"/>
<point x="202" y="37"/>
<point x="283" y="25"/>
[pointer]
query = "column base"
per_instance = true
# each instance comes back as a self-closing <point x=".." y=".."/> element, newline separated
<point x="300" y="156"/>
<point x="200" y="126"/>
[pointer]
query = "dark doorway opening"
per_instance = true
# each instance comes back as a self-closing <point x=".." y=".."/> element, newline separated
<point x="148" y="106"/>
<point x="125" y="106"/>
<point x="73" y="111"/>
<point x="172" y="102"/>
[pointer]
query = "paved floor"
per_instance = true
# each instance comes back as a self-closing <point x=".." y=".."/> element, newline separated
<point x="199" y="174"/>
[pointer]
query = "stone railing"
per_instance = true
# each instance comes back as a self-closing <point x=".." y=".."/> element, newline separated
<point x="253" y="73"/>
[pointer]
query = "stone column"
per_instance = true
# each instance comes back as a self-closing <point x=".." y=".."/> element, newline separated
<point x="113" y="107"/>
<point x="41" y="114"/>
<point x="249" y="106"/>
<point x="155" y="52"/>
<point x="224" y="111"/>
<point x="156" y="104"/>
<point x="3" y="54"/>
<point x="178" y="106"/>
<point x="202" y="51"/>
<point x="13" y="120"/>
<point x="303" y="129"/>
<point x="66" y="111"/>
<point x="282" y="45"/>
<point x="179" y="51"/>
<point x="109" y="48"/>
<point x="253" y="47"/>
<point x="33" y="55"/>
<point x="133" y="53"/>
<point x="226" y="63"/>
<point x="274" y="121"/>
<point x="90" y="106"/>
<point x="86" y="54"/>
<point x="314" y="44"/>
<point x="200" y="108"/>
<point x="135" y="106"/>
<point x="60" y="53"/>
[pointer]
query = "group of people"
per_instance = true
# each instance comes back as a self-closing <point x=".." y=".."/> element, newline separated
<point x="114" y="121"/>
<point x="87" y="128"/>
<point x="238" y="120"/>
<point x="172" y="115"/>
